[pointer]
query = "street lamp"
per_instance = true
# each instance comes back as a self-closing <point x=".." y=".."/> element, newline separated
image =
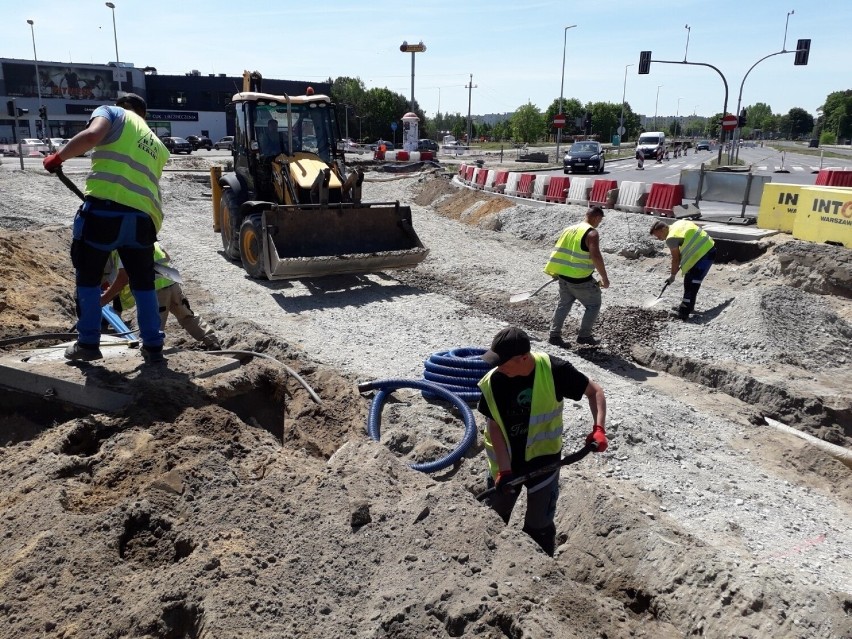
<point x="38" y="82"/>
<point x="623" y="93"/>
<point x="412" y="49"/>
<point x="562" y="84"/>
<point x="677" y="118"/>
<point x="115" y="35"/>
<point x="360" y="118"/>
<point x="688" y="31"/>
<point x="657" y="102"/>
<point x="786" y="24"/>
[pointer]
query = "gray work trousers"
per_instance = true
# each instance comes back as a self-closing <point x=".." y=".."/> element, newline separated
<point x="589" y="295"/>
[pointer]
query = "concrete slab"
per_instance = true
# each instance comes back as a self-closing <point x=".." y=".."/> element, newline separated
<point x="735" y="232"/>
<point x="104" y="385"/>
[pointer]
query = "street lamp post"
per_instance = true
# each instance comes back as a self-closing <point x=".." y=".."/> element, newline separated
<point x="623" y="94"/>
<point x="115" y="36"/>
<point x="360" y="119"/>
<point x="677" y="118"/>
<point x="562" y="84"/>
<point x="38" y="82"/>
<point x="656" y="103"/>
<point x="688" y="31"/>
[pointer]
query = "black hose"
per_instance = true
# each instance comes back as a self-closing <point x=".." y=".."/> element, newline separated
<point x="387" y="386"/>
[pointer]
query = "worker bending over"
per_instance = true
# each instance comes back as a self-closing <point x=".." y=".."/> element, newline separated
<point x="693" y="252"/>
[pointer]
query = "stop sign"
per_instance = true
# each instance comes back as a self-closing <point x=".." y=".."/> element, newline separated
<point x="559" y="120"/>
<point x="729" y="123"/>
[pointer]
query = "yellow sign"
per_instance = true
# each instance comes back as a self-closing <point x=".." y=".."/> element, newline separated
<point x="824" y="214"/>
<point x="778" y="206"/>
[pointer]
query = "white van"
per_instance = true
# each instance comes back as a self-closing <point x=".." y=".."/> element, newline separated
<point x="650" y="142"/>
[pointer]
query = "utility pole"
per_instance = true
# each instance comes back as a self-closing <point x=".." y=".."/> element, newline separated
<point x="562" y="84"/>
<point x="470" y="87"/>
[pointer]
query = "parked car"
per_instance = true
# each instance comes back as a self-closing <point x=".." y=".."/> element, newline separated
<point x="199" y="142"/>
<point x="34" y="144"/>
<point x="375" y="145"/>
<point x="702" y="145"/>
<point x="426" y="144"/>
<point x="584" y="156"/>
<point x="177" y="145"/>
<point x="813" y="143"/>
<point x="225" y="143"/>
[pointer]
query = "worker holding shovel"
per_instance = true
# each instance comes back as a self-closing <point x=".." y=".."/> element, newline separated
<point x="522" y="403"/>
<point x="693" y="252"/>
<point x="574" y="258"/>
<point x="122" y="210"/>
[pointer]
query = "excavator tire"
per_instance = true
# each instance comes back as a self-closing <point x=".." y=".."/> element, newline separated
<point x="251" y="246"/>
<point x="229" y="224"/>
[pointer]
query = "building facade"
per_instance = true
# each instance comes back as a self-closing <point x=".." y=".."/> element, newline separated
<point x="180" y="105"/>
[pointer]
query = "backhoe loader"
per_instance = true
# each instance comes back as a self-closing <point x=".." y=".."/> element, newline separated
<point x="290" y="209"/>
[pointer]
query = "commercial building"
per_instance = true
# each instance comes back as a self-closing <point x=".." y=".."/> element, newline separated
<point x="180" y="105"/>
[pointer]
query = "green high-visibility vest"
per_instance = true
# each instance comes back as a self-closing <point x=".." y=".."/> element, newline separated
<point x="160" y="281"/>
<point x="568" y="257"/>
<point x="544" y="436"/>
<point x="696" y="243"/>
<point x="128" y="170"/>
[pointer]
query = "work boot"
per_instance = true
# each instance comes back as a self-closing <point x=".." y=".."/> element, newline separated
<point x="211" y="343"/>
<point x="152" y="355"/>
<point x="83" y="352"/>
<point x="588" y="340"/>
<point x="556" y="340"/>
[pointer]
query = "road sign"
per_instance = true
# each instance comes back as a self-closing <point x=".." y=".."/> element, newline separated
<point x="621" y="130"/>
<point x="559" y="120"/>
<point x="394" y="125"/>
<point x="412" y="48"/>
<point x="729" y="123"/>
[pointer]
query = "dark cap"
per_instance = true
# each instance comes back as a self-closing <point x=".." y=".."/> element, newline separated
<point x="508" y="343"/>
<point x="134" y="102"/>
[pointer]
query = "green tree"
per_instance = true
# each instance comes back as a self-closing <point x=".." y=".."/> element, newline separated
<point x="528" y="124"/>
<point x="799" y="122"/>
<point x="837" y="115"/>
<point x="605" y="116"/>
<point x="759" y="116"/>
<point x="571" y="108"/>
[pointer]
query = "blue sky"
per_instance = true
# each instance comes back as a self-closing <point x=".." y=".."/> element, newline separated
<point x="514" y="49"/>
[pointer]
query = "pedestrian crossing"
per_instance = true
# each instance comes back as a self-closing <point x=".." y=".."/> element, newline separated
<point x="696" y="165"/>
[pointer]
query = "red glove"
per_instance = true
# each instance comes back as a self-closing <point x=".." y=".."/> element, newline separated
<point x="52" y="162"/>
<point x="598" y="436"/>
<point x="502" y="482"/>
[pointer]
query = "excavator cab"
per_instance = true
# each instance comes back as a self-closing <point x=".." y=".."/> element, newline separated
<point x="290" y="209"/>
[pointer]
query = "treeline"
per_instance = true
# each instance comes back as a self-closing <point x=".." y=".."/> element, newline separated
<point x="365" y="115"/>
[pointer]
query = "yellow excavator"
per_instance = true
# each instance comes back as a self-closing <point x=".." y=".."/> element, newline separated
<point x="290" y="209"/>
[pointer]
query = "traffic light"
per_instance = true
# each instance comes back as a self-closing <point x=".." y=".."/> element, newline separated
<point x="22" y="112"/>
<point x="42" y="113"/>
<point x="803" y="50"/>
<point x="644" y="62"/>
<point x="741" y="120"/>
<point x="10" y="108"/>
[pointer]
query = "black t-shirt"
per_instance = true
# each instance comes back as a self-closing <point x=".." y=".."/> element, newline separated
<point x="513" y="396"/>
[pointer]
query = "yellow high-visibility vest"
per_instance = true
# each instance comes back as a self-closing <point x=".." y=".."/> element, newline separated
<point x="696" y="243"/>
<point x="568" y="257"/>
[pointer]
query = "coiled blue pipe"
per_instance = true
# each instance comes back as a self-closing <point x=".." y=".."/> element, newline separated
<point x="387" y="386"/>
<point x="458" y="370"/>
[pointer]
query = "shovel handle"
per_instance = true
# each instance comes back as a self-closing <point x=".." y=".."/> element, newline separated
<point x="571" y="458"/>
<point x="67" y="182"/>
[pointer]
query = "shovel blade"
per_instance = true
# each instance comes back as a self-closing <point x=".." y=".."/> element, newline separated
<point x="652" y="301"/>
<point x="520" y="297"/>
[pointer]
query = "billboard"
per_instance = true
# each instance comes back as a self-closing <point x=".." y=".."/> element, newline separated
<point x="70" y="82"/>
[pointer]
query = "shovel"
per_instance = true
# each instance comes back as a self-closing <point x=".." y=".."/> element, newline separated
<point x="654" y="300"/>
<point x="162" y="269"/>
<point x="520" y="297"/>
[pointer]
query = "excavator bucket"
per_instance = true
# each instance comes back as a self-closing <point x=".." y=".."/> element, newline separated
<point x="315" y="240"/>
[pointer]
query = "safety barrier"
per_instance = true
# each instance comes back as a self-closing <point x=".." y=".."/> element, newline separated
<point x="526" y="184"/>
<point x="489" y="180"/>
<point x="557" y="190"/>
<point x="462" y="169"/>
<point x="834" y="177"/>
<point x="512" y="181"/>
<point x="579" y="191"/>
<point x="600" y="193"/>
<point x="468" y="174"/>
<point x="824" y="215"/>
<point x="631" y="197"/>
<point x="479" y="181"/>
<point x="540" y="187"/>
<point x="499" y="185"/>
<point x="663" y="198"/>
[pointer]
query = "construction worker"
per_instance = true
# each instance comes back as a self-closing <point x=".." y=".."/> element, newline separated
<point x="693" y="252"/>
<point x="122" y="211"/>
<point x="169" y="296"/>
<point x="522" y="404"/>
<point x="574" y="258"/>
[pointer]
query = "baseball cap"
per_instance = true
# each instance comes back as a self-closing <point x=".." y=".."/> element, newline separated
<point x="508" y="343"/>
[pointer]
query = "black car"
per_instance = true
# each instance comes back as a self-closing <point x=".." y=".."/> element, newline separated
<point x="177" y="145"/>
<point x="702" y="145"/>
<point x="425" y="144"/>
<point x="584" y="156"/>
<point x="199" y="142"/>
